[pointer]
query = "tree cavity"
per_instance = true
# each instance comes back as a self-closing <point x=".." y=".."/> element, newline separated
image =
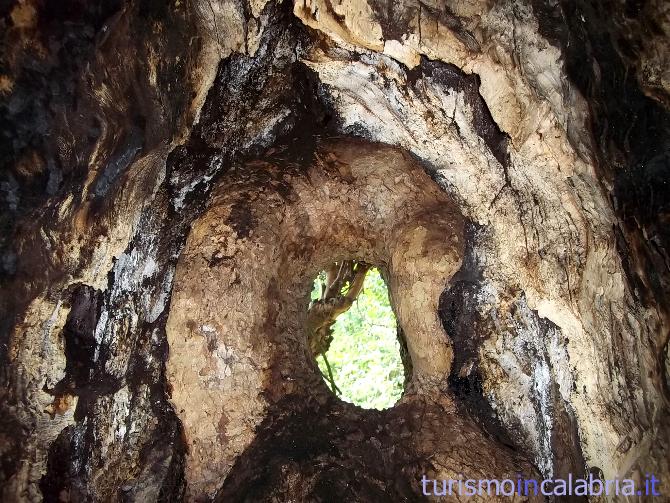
<point x="352" y="333"/>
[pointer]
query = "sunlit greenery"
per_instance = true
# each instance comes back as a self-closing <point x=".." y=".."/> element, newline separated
<point x="365" y="354"/>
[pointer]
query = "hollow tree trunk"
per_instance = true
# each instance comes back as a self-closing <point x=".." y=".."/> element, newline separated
<point x="175" y="174"/>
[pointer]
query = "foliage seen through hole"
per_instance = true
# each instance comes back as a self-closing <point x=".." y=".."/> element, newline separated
<point x="362" y="349"/>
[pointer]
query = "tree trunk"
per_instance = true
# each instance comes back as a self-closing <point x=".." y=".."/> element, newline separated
<point x="174" y="176"/>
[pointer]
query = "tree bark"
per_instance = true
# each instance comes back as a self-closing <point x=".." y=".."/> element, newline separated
<point x="175" y="175"/>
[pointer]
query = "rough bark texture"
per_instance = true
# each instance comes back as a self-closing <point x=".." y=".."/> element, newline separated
<point x="175" y="173"/>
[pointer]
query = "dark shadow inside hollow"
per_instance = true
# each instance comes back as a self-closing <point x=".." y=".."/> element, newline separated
<point x="322" y="449"/>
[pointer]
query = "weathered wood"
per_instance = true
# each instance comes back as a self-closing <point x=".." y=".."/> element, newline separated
<point x="542" y="127"/>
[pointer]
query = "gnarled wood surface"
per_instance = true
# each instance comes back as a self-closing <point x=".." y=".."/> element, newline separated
<point x="543" y="125"/>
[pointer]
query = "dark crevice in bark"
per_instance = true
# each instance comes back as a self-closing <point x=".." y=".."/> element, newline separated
<point x="79" y="339"/>
<point x="461" y="320"/>
<point x="60" y="479"/>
